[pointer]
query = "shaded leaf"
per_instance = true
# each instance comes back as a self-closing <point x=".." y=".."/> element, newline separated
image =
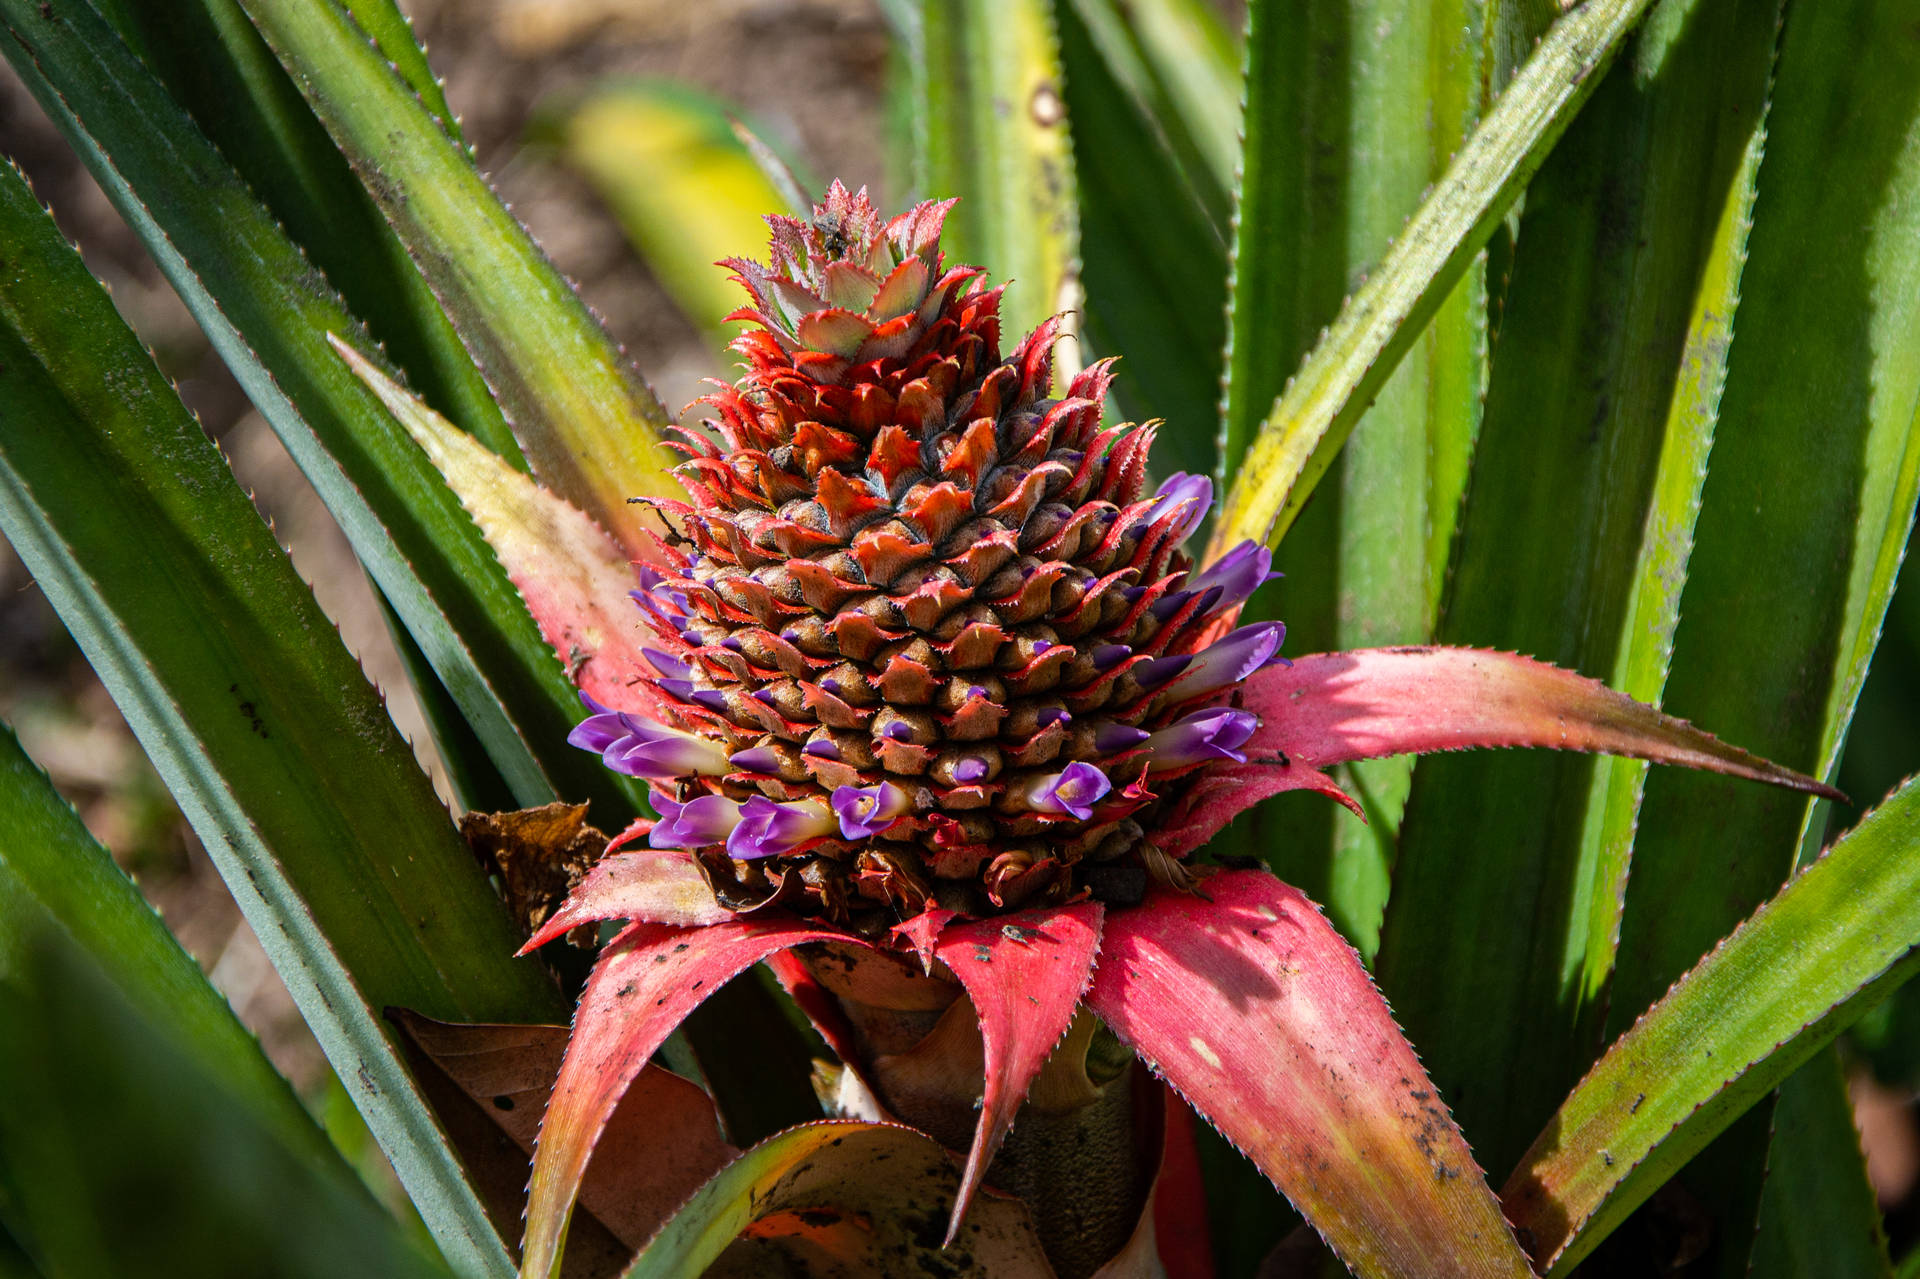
<point x="122" y="1151"/>
<point x="857" y="1198"/>
<point x="1818" y="1214"/>
<point x="1600" y="412"/>
<point x="1800" y="531"/>
<point x="662" y="1143"/>
<point x="1155" y="269"/>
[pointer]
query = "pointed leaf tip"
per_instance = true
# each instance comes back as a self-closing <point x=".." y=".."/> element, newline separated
<point x="1333" y="708"/>
<point x="647" y="981"/>
<point x="1025" y="974"/>
<point x="1262" y="1017"/>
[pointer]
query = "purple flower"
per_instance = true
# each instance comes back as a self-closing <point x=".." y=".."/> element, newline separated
<point x="868" y="810"/>
<point x="695" y="824"/>
<point x="768" y="829"/>
<point x="821" y="748"/>
<point x="1156" y="671"/>
<point x="639" y="748"/>
<point x="1073" y="791"/>
<point x="1195" y="491"/>
<point x="667" y="664"/>
<point x="756" y="759"/>
<point x="969" y="770"/>
<point x="1237" y="574"/>
<point x="1231" y="659"/>
<point x="1215" y="733"/>
<point x="1111" y="739"/>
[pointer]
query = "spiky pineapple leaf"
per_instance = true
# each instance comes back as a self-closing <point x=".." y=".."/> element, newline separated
<point x="988" y="79"/>
<point x="1257" y="1012"/>
<point x="686" y="189"/>
<point x="1828" y="946"/>
<point x="1600" y="411"/>
<point x="869" y="1197"/>
<point x="1179" y="66"/>
<point x="1818" y="1211"/>
<point x="1339" y="153"/>
<point x="1801" y="530"/>
<point x="127" y="1148"/>
<point x="1155" y="271"/>
<point x="218" y="68"/>
<point x="268" y="313"/>
<point x="55" y="878"/>
<point x="1276" y="468"/>
<point x="255" y="714"/>
<point x="588" y="425"/>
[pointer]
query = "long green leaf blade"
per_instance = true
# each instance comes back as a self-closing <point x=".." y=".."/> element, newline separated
<point x="997" y="138"/>
<point x="268" y="314"/>
<point x="589" y="426"/>
<point x="216" y="66"/>
<point x="124" y="1152"/>
<point x="54" y="877"/>
<point x="1155" y="270"/>
<point x="1843" y="934"/>
<point x="1339" y="154"/>
<point x="1592" y="446"/>
<point x="1275" y="471"/>
<point x="1818" y="1215"/>
<point x="1801" y="526"/>
<point x="256" y="716"/>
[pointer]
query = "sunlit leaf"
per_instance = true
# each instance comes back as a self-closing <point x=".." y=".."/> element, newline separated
<point x="1824" y="950"/>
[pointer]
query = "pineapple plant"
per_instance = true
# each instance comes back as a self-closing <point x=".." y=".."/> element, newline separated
<point x="903" y="683"/>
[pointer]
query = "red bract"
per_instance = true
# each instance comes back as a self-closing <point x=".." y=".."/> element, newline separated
<point x="922" y="669"/>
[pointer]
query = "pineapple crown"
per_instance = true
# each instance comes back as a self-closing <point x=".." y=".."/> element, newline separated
<point x="923" y="637"/>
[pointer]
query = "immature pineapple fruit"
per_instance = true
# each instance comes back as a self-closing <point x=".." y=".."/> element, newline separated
<point x="922" y="639"/>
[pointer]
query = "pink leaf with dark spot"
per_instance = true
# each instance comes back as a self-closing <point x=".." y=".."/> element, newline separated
<point x="1336" y="707"/>
<point x="1024" y="973"/>
<point x="657" y="887"/>
<point x="646" y="982"/>
<point x="1261" y="1016"/>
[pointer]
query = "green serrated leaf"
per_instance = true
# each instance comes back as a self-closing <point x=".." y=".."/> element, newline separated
<point x="1276" y="469"/>
<point x="1818" y="1215"/>
<point x="216" y="66"/>
<point x="1834" y="941"/>
<point x="268" y="312"/>
<point x="125" y="1151"/>
<point x="1801" y="526"/>
<point x="996" y="136"/>
<point x="591" y="429"/>
<point x="1600" y="409"/>
<point x="1155" y="270"/>
<point x="1339" y="153"/>
<point x="55" y="877"/>
<point x="255" y="714"/>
